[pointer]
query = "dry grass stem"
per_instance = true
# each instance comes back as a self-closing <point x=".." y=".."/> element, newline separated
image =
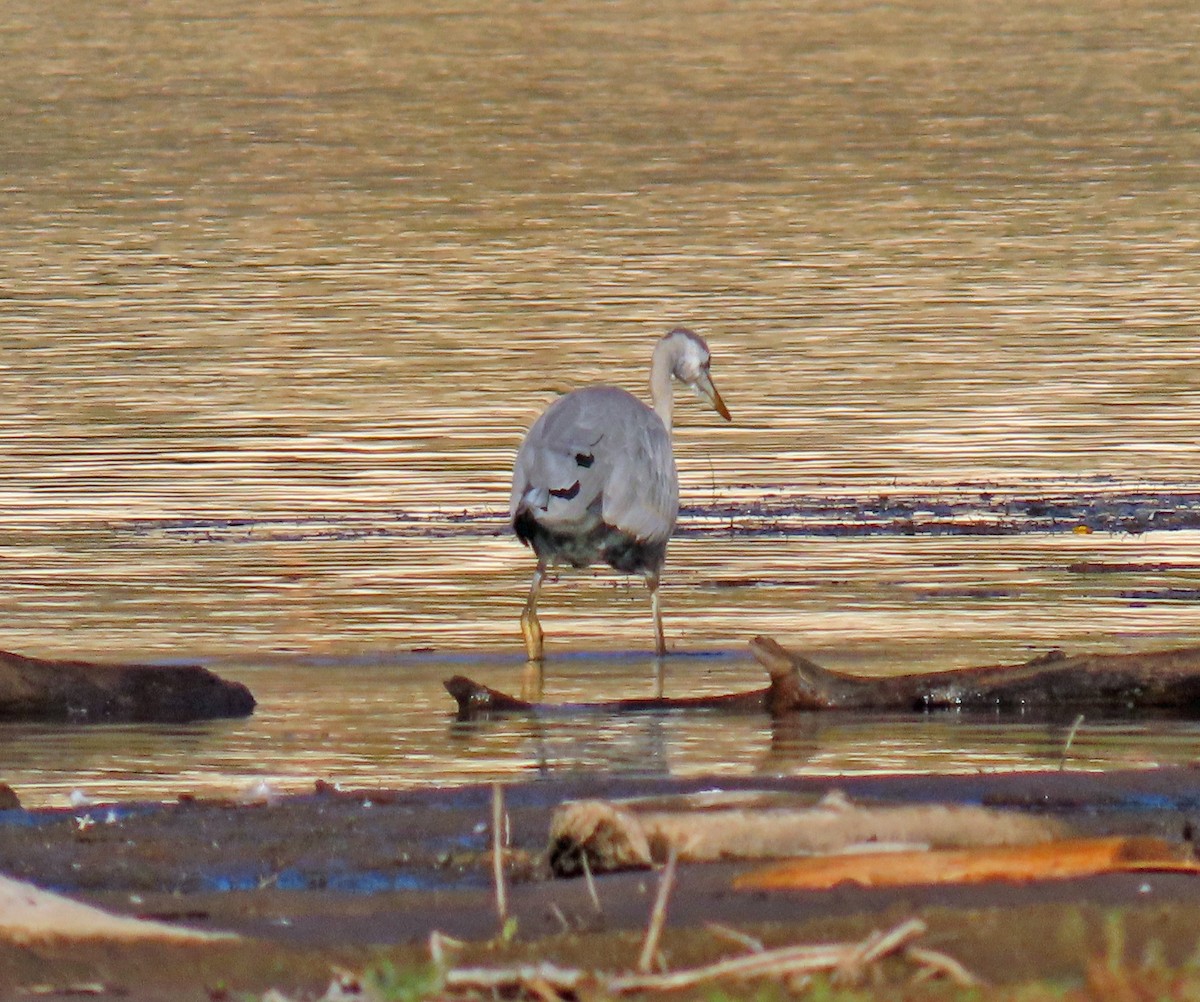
<point x="558" y="914"/>
<point x="732" y="935"/>
<point x="876" y="946"/>
<point x="889" y="942"/>
<point x="542" y="990"/>
<point x="658" y="915"/>
<point x="498" y="852"/>
<point x="439" y="946"/>
<point x="934" y="963"/>
<point x="1062" y="762"/>
<point x="591" y="884"/>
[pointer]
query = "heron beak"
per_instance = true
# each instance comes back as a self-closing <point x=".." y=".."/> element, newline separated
<point x="704" y="387"/>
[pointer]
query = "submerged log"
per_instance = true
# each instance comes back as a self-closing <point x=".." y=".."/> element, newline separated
<point x="90" y="692"/>
<point x="1053" y="683"/>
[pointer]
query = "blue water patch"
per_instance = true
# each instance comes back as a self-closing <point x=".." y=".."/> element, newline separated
<point x="18" y="817"/>
<point x="375" y="882"/>
<point x="1155" y="802"/>
<point x="293" y="879"/>
<point x="98" y="814"/>
<point x="223" y="882"/>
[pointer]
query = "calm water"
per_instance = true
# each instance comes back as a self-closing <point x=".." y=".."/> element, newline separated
<point x="280" y="291"/>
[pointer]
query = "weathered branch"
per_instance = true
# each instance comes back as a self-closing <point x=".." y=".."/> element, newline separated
<point x="845" y="959"/>
<point x="1106" y="683"/>
<point x="1163" y="680"/>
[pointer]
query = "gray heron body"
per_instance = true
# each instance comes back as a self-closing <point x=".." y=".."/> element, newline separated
<point x="595" y="479"/>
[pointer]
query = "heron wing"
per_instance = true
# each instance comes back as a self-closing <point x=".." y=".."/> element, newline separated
<point x="641" y="492"/>
<point x="599" y="454"/>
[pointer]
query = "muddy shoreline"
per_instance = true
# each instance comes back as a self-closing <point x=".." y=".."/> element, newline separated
<point x="914" y="509"/>
<point x="338" y="877"/>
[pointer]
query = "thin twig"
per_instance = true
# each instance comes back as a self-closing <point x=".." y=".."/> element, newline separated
<point x="659" y="914"/>
<point x="439" y="944"/>
<point x="874" y="947"/>
<point x="770" y="963"/>
<point x="732" y="935"/>
<point x="890" y="942"/>
<point x="786" y="963"/>
<point x="934" y="963"/>
<point x="498" y="852"/>
<point x="591" y="882"/>
<point x="558" y="914"/>
<point x="1062" y="762"/>
<point x="542" y="989"/>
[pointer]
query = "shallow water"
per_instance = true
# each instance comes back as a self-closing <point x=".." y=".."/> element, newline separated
<point x="282" y="288"/>
<point x="366" y="726"/>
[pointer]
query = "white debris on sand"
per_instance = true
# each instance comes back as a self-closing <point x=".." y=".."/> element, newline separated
<point x="259" y="793"/>
<point x="29" y="914"/>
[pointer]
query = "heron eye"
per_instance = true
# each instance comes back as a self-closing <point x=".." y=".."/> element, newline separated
<point x="584" y="459"/>
<point x="566" y="493"/>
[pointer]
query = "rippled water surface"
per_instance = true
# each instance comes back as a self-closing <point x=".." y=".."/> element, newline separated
<point x="282" y="286"/>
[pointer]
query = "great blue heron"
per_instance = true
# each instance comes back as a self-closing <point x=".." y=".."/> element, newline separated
<point x="595" y="478"/>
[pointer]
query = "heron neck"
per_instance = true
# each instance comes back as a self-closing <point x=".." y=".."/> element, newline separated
<point x="661" y="389"/>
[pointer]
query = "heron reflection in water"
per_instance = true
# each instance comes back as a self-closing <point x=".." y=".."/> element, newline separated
<point x="595" y="478"/>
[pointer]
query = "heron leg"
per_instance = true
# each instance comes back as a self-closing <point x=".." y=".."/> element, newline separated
<point x="531" y="629"/>
<point x="660" y="643"/>
<point x="533" y="681"/>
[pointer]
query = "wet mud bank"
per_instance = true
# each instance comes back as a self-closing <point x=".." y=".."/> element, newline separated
<point x="1095" y="505"/>
<point x="337" y="877"/>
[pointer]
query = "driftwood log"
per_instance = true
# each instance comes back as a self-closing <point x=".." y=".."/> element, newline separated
<point x="605" y="835"/>
<point x="1053" y="683"/>
<point x="89" y="692"/>
<point x="1061" y="859"/>
<point x="1158" y="680"/>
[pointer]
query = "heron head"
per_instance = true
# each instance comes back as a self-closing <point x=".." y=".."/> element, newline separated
<point x="690" y="361"/>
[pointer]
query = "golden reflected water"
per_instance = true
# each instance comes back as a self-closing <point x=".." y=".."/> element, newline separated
<point x="283" y="285"/>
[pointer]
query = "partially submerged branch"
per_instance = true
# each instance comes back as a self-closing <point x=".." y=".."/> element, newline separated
<point x="1053" y="683"/>
<point x="1164" y="680"/>
<point x="475" y="699"/>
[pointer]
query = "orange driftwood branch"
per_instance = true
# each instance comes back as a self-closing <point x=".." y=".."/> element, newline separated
<point x="1106" y="683"/>
<point x="1042" y="861"/>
